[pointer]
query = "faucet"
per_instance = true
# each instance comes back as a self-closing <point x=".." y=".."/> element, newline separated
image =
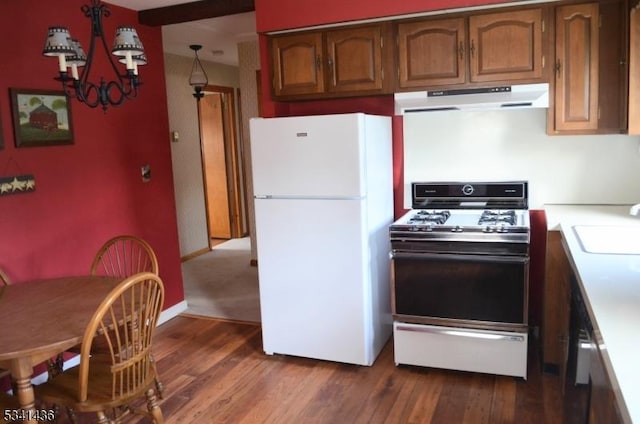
<point x="635" y="210"/>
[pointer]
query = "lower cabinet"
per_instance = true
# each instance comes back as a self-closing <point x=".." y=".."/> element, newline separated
<point x="602" y="402"/>
<point x="557" y="301"/>
<point x="558" y="339"/>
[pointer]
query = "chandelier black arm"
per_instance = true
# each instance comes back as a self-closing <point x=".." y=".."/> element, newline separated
<point x="114" y="92"/>
<point x="123" y="86"/>
<point x="70" y="86"/>
<point x="87" y="92"/>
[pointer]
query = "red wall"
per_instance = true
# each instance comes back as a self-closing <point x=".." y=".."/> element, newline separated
<point x="274" y="15"/>
<point x="92" y="190"/>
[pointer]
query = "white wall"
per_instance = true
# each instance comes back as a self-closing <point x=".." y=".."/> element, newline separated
<point x="185" y="154"/>
<point x="513" y="145"/>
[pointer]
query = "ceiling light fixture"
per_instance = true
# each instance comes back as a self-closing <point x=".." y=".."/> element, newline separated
<point x="127" y="47"/>
<point x="198" y="78"/>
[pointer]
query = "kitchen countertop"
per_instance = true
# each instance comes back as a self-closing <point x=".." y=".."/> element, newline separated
<point x="610" y="285"/>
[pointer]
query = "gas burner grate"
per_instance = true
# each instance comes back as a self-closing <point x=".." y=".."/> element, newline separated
<point x="494" y="217"/>
<point x="430" y="217"/>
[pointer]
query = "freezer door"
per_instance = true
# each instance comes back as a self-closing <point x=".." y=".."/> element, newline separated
<point x="311" y="156"/>
<point x="314" y="279"/>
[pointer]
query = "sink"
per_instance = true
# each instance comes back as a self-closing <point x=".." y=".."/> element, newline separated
<point x="609" y="239"/>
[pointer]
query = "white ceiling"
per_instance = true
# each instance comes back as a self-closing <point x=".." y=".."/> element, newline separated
<point x="218" y="36"/>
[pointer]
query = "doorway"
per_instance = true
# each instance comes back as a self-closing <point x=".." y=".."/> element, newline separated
<point x="222" y="165"/>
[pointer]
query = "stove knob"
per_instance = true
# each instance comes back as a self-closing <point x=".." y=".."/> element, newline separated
<point x="414" y="228"/>
<point x="456" y="229"/>
<point x="488" y="229"/>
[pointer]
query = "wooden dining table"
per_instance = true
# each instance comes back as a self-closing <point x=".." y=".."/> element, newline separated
<point x="40" y="319"/>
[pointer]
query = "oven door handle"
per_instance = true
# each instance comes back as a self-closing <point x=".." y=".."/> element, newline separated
<point x="402" y="254"/>
<point x="460" y="332"/>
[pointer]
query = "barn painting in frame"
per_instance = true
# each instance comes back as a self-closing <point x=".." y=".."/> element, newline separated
<point x="41" y="117"/>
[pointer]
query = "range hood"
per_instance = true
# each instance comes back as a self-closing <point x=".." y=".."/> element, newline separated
<point x="490" y="98"/>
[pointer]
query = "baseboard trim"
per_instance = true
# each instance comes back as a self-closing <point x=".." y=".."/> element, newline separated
<point x="172" y="312"/>
<point x="195" y="254"/>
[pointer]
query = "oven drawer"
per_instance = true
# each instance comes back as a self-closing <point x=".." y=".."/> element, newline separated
<point x="492" y="352"/>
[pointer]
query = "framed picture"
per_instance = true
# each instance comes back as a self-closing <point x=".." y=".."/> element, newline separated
<point x="1" y="134"/>
<point x="41" y="117"/>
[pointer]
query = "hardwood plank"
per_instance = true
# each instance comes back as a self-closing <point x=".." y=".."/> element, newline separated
<point x="301" y="376"/>
<point x="216" y="372"/>
<point x="425" y="399"/>
<point x="400" y="408"/>
<point x="478" y="408"/>
<point x="384" y="383"/>
<point x="504" y="400"/>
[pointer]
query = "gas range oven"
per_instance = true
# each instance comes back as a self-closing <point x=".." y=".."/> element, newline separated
<point x="460" y="277"/>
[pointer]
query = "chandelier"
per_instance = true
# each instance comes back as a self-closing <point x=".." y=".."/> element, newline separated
<point x="198" y="78"/>
<point x="127" y="49"/>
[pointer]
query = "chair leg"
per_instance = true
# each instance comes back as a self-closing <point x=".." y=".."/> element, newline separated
<point x="159" y="388"/>
<point x="102" y="418"/>
<point x="153" y="408"/>
<point x="55" y="366"/>
<point x="159" y="385"/>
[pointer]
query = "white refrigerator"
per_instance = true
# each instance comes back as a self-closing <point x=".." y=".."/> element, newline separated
<point x="323" y="197"/>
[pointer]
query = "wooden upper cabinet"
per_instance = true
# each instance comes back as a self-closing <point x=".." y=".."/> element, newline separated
<point x="297" y="62"/>
<point x="330" y="63"/>
<point x="354" y="59"/>
<point x="498" y="47"/>
<point x="591" y="69"/>
<point x="576" y="67"/>
<point x="506" y="46"/>
<point x="432" y="53"/>
<point x="634" y="71"/>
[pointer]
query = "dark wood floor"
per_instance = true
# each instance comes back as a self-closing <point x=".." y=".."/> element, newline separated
<point x="215" y="372"/>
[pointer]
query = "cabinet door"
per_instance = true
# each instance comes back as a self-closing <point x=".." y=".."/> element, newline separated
<point x="354" y="59"/>
<point x="576" y="68"/>
<point x="613" y="69"/>
<point x="506" y="46"/>
<point x="557" y="300"/>
<point x="432" y="53"/>
<point x="297" y="64"/>
<point x="603" y="408"/>
<point x="634" y="71"/>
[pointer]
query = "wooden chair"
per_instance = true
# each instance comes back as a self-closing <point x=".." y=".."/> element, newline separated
<point x="109" y="381"/>
<point x="124" y="256"/>
<point x="4" y="281"/>
<point x="121" y="256"/>
<point x="8" y="403"/>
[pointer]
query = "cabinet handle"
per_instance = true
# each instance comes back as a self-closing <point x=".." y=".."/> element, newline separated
<point x="461" y="50"/>
<point x="330" y="63"/>
<point x="558" y="68"/>
<point x="318" y="62"/>
<point x="472" y="49"/>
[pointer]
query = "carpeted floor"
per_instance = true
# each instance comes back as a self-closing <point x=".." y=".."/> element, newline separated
<point x="222" y="283"/>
